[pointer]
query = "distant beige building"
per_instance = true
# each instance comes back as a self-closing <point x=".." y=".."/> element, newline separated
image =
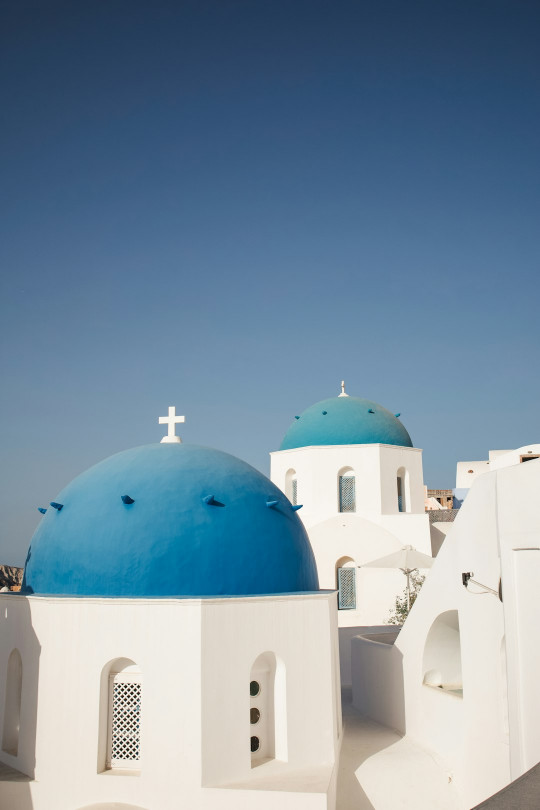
<point x="438" y="499"/>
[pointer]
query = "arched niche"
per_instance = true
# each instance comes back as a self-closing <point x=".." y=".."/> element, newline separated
<point x="442" y="654"/>
<point x="12" y="704"/>
<point x="120" y="710"/>
<point x="291" y="486"/>
<point x="345" y="572"/>
<point x="403" y="490"/>
<point x="346" y="481"/>
<point x="345" y="562"/>
<point x="268" y="709"/>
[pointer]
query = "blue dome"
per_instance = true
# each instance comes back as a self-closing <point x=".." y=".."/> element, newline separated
<point x="345" y="420"/>
<point x="173" y="539"/>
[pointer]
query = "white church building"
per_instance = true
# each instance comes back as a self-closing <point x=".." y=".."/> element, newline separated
<point x="352" y="466"/>
<point x="170" y="646"/>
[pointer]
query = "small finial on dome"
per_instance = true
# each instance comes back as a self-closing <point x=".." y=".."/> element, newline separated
<point x="41" y="509"/>
<point x="127" y="500"/>
<point x="397" y="415"/>
<point x="171" y="421"/>
<point x="298" y="506"/>
<point x="343" y="394"/>
<point x="57" y="506"/>
<point x="271" y="503"/>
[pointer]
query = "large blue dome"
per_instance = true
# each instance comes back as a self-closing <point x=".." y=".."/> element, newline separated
<point x="345" y="420"/>
<point x="174" y="539"/>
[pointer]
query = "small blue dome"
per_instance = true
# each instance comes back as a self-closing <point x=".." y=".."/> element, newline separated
<point x="195" y="523"/>
<point x="345" y="420"/>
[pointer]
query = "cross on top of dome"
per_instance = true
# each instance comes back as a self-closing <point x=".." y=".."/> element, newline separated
<point x="171" y="421"/>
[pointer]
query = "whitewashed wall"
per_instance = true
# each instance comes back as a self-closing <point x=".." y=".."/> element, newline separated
<point x="468" y="471"/>
<point x="375" y="529"/>
<point x="195" y="658"/>
<point x="375" y="467"/>
<point x="497" y="460"/>
<point x="511" y="457"/>
<point x="490" y="734"/>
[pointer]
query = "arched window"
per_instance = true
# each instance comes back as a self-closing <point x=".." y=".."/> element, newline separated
<point x="12" y="704"/>
<point x="347" y="490"/>
<point x="346" y="583"/>
<point x="121" y="702"/>
<point x="267" y="710"/>
<point x="442" y="654"/>
<point x="291" y="486"/>
<point x="403" y="493"/>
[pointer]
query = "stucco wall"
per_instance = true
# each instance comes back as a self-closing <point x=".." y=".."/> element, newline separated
<point x="511" y="457"/>
<point x="375" y="467"/>
<point x="490" y="734"/>
<point x="195" y="658"/>
<point x="375" y="529"/>
<point x="468" y="471"/>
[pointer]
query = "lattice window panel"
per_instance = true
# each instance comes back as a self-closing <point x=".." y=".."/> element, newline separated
<point x="400" y="503"/>
<point x="125" y="722"/>
<point x="294" y="498"/>
<point x="346" y="588"/>
<point x="347" y="496"/>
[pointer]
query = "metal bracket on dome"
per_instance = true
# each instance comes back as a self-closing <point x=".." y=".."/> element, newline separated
<point x="397" y="415"/>
<point x="271" y="503"/>
<point x="41" y="509"/>
<point x="57" y="506"/>
<point x="127" y="500"/>
<point x="297" y="506"/>
<point x="211" y="501"/>
<point x="370" y="410"/>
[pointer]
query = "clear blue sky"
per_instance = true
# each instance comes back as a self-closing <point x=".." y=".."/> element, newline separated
<point x="230" y="206"/>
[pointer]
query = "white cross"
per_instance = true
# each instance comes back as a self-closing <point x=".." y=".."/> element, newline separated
<point x="171" y="420"/>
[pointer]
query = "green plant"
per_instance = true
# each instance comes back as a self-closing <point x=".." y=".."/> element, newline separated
<point x="400" y="611"/>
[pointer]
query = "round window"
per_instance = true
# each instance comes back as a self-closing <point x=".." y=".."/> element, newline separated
<point x="254" y="688"/>
<point x="254" y="716"/>
<point x="254" y="744"/>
